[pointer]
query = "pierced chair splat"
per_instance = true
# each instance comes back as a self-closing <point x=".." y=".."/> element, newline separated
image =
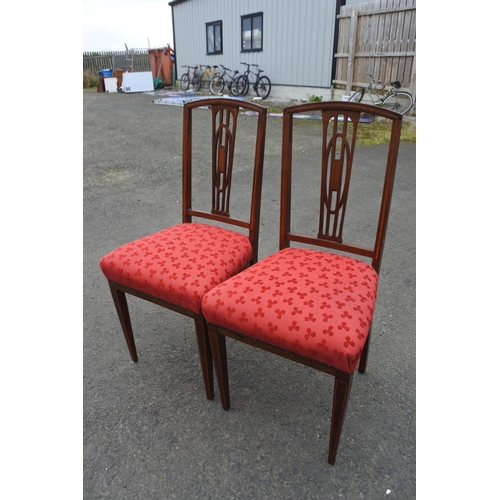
<point x="313" y="300"/>
<point x="176" y="266"/>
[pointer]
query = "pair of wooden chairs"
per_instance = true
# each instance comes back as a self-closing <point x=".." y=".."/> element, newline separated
<point x="313" y="300"/>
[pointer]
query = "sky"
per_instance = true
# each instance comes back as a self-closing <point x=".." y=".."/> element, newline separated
<point x="141" y="24"/>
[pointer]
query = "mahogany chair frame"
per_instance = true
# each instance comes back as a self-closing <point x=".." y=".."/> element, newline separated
<point x="224" y="112"/>
<point x="343" y="380"/>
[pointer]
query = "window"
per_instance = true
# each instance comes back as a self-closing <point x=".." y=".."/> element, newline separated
<point x="214" y="37"/>
<point x="251" y="32"/>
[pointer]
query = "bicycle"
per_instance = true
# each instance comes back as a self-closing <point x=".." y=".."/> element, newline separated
<point x="220" y="81"/>
<point x="396" y="100"/>
<point x="243" y="81"/>
<point x="191" y="77"/>
<point x="208" y="72"/>
<point x="261" y="84"/>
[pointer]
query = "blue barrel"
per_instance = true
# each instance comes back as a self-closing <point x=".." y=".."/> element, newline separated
<point x="105" y="72"/>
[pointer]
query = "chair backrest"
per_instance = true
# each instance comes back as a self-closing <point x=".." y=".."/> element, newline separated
<point x="333" y="168"/>
<point x="224" y="118"/>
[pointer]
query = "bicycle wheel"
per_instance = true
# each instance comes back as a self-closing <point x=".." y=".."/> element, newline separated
<point x="401" y="102"/>
<point x="216" y="85"/>
<point x="196" y="83"/>
<point x="358" y="96"/>
<point x="263" y="87"/>
<point x="242" y="85"/>
<point x="233" y="88"/>
<point x="184" y="81"/>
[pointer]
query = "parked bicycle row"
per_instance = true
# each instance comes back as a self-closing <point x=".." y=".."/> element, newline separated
<point x="219" y="78"/>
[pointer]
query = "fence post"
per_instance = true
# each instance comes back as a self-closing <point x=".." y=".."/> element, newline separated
<point x="413" y="77"/>
<point x="352" y="46"/>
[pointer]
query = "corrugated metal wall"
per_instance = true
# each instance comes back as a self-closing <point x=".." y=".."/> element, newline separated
<point x="298" y="37"/>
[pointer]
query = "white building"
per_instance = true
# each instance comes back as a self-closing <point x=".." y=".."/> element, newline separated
<point x="293" y="41"/>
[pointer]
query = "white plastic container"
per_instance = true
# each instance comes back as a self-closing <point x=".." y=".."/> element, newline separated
<point x="111" y="84"/>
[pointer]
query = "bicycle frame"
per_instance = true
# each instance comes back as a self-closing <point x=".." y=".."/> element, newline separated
<point x="224" y="80"/>
<point x="191" y="71"/>
<point x="210" y="72"/>
<point x="227" y="77"/>
<point x="394" y="98"/>
<point x="207" y="74"/>
<point x="250" y="75"/>
<point x="255" y="79"/>
<point x="260" y="84"/>
<point x="371" y="92"/>
<point x="191" y="77"/>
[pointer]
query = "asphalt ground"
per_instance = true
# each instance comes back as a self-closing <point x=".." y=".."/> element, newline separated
<point x="148" y="430"/>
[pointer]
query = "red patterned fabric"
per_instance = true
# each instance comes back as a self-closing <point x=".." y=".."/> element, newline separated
<point x="179" y="264"/>
<point x="315" y="304"/>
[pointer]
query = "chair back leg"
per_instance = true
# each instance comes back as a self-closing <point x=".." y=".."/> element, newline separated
<point x="205" y="356"/>
<point x="341" y="391"/>
<point x="121" y="306"/>
<point x="218" y="343"/>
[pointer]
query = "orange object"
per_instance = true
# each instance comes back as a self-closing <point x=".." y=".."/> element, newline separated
<point x="118" y="74"/>
<point x="162" y="62"/>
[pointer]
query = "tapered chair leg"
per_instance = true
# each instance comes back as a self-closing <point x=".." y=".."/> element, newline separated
<point x="341" y="391"/>
<point x="120" y="301"/>
<point x="205" y="357"/>
<point x="364" y="355"/>
<point x="218" y="344"/>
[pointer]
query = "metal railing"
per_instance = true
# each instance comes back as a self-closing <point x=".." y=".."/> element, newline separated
<point x="133" y="60"/>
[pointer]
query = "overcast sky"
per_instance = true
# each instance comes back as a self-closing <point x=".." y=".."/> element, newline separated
<point x="141" y="24"/>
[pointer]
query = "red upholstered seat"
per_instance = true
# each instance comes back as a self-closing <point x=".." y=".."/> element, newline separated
<point x="179" y="264"/>
<point x="312" y="303"/>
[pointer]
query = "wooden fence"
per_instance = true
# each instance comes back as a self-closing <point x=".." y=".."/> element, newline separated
<point x="377" y="38"/>
<point x="133" y="60"/>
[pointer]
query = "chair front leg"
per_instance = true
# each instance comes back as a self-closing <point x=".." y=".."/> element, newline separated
<point x="218" y="344"/>
<point x="205" y="356"/>
<point x="341" y="391"/>
<point x="120" y="301"/>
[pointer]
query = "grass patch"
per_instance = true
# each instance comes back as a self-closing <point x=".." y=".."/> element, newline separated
<point x="372" y="133"/>
<point x="378" y="132"/>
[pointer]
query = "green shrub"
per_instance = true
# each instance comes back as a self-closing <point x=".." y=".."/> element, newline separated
<point x="90" y="79"/>
<point x="315" y="98"/>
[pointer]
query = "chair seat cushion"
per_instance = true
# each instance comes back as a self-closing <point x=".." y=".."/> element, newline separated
<point x="179" y="264"/>
<point x="313" y="303"/>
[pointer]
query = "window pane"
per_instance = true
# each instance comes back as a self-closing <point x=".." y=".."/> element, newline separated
<point x="246" y="33"/>
<point x="257" y="32"/>
<point x="217" y="38"/>
<point x="210" y="39"/>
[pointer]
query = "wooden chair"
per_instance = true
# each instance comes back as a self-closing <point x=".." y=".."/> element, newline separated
<point x="176" y="266"/>
<point x="313" y="302"/>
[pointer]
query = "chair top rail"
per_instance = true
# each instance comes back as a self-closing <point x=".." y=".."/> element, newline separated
<point x="347" y="106"/>
<point x="225" y="101"/>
